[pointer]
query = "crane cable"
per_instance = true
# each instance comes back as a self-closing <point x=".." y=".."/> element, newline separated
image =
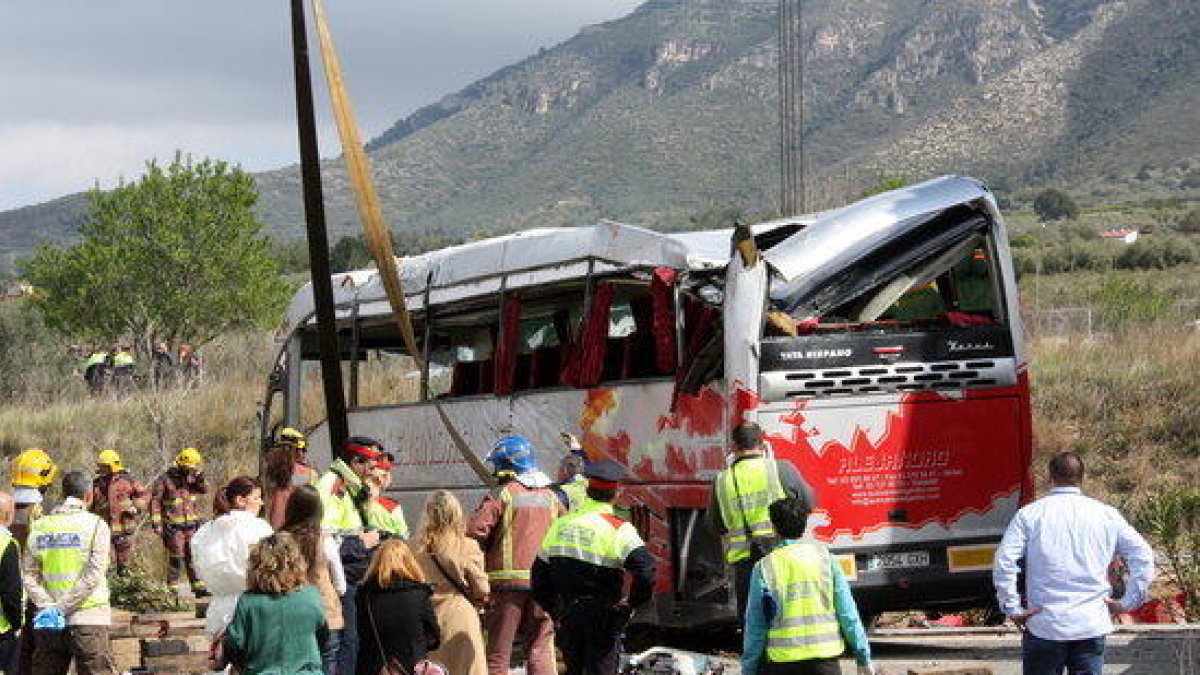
<point x="379" y="238"/>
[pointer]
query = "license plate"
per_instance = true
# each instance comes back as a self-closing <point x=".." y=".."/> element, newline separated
<point x="898" y="560"/>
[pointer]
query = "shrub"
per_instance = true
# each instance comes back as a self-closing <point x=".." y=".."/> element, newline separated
<point x="1172" y="520"/>
<point x="1052" y="204"/>
<point x="135" y="591"/>
<point x="1122" y="301"/>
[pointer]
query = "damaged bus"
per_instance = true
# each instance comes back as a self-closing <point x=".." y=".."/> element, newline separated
<point x="879" y="346"/>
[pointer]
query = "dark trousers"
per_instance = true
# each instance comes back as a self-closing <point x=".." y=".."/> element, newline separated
<point x="87" y="646"/>
<point x="807" y="667"/>
<point x="1051" y="657"/>
<point x="588" y="646"/>
<point x="10" y="651"/>
<point x="741" y="583"/>
<point x="329" y="652"/>
<point x="347" y="655"/>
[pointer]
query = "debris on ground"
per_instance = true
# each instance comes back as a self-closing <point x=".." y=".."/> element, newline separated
<point x="667" y="661"/>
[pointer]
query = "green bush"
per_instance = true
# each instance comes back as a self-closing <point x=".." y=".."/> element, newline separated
<point x="1053" y="204"/>
<point x="1121" y="301"/>
<point x="1172" y="521"/>
<point x="135" y="591"/>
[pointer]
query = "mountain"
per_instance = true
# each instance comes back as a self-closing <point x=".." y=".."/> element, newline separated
<point x="671" y="112"/>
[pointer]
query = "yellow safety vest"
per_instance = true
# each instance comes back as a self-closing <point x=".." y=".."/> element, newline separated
<point x="537" y="499"/>
<point x="382" y="519"/>
<point x="61" y="542"/>
<point x="96" y="359"/>
<point x="122" y="359"/>
<point x="800" y="578"/>
<point x="576" y="492"/>
<point x="340" y="513"/>
<point x="756" y="481"/>
<point x="587" y="535"/>
<point x="6" y="539"/>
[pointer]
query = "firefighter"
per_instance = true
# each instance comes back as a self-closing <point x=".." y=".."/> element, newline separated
<point x="509" y="525"/>
<point x="385" y="514"/>
<point x="738" y="504"/>
<point x="175" y="514"/>
<point x="286" y="469"/>
<point x="32" y="473"/>
<point x="119" y="500"/>
<point x="800" y="616"/>
<point x="572" y="485"/>
<point x="95" y="369"/>
<point x="579" y="576"/>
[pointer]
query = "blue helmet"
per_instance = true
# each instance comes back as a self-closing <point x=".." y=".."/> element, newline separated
<point x="513" y="453"/>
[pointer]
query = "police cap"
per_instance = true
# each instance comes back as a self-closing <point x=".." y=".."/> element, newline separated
<point x="605" y="475"/>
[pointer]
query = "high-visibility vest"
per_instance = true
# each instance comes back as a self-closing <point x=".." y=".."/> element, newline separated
<point x="341" y="515"/>
<point x="576" y="492"/>
<point x="508" y="572"/>
<point x="96" y="359"/>
<point x="61" y="542"/>
<point x="800" y="578"/>
<point x="6" y="539"/>
<point x="756" y="480"/>
<point x="121" y="359"/>
<point x="593" y="535"/>
<point x="387" y="516"/>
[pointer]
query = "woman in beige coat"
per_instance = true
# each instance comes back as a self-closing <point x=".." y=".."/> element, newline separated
<point x="453" y="565"/>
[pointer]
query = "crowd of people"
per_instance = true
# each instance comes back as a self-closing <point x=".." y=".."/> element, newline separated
<point x="116" y="371"/>
<point x="330" y="580"/>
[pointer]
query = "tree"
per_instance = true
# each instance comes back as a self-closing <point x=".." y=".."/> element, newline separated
<point x="1052" y="204"/>
<point x="177" y="255"/>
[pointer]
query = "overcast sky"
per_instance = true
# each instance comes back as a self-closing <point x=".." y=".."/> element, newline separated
<point x="90" y="89"/>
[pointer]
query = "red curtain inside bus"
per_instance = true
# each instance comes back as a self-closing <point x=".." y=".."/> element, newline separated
<point x="662" y="298"/>
<point x="586" y="361"/>
<point x="507" y="347"/>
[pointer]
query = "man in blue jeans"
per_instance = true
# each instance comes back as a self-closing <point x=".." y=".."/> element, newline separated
<point x="1068" y="541"/>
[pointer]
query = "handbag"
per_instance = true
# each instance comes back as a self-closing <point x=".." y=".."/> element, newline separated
<point x="458" y="585"/>
<point x="218" y="660"/>
<point x="391" y="664"/>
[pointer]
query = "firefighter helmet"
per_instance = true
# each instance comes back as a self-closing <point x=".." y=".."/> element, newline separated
<point x="33" y="468"/>
<point x="189" y="458"/>
<point x="292" y="437"/>
<point x="111" y="459"/>
<point x="513" y="454"/>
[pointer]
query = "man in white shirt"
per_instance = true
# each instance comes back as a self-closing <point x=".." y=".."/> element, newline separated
<point x="1068" y="541"/>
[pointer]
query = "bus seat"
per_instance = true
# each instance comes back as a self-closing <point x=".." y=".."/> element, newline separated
<point x="547" y="362"/>
<point x="465" y="379"/>
<point x="523" y="379"/>
<point x="487" y="376"/>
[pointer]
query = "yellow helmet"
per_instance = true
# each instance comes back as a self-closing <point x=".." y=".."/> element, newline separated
<point x="111" y="459"/>
<point x="292" y="437"/>
<point x="188" y="458"/>
<point x="33" y="468"/>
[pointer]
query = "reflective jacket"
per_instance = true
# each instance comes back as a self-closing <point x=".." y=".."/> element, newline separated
<point x="119" y="500"/>
<point x="800" y="578"/>
<point x="387" y="515"/>
<point x="744" y="493"/>
<point x="592" y="534"/>
<point x="510" y="525"/>
<point x="575" y="490"/>
<point x="122" y="360"/>
<point x="60" y="544"/>
<point x="173" y="499"/>
<point x="342" y="496"/>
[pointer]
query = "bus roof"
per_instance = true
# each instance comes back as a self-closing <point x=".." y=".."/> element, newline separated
<point x="545" y="255"/>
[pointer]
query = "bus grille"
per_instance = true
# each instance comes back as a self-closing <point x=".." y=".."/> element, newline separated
<point x="887" y="378"/>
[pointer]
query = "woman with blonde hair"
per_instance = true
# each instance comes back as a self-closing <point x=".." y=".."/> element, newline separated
<point x="279" y="625"/>
<point x="395" y="617"/>
<point x="453" y="564"/>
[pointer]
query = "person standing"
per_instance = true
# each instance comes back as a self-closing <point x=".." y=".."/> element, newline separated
<point x="453" y="565"/>
<point x="95" y="371"/>
<point x="119" y="500"/>
<point x="286" y="468"/>
<point x="66" y="563"/>
<point x="221" y="547"/>
<point x="123" y="367"/>
<point x="279" y="625"/>
<point x="1067" y="542"/>
<point x="395" y="615"/>
<point x="12" y="594"/>
<point x="800" y="614"/>
<point x="32" y="473"/>
<point x="741" y="495"/>
<point x="572" y="485"/>
<point x="163" y="363"/>
<point x="175" y="514"/>
<point x="509" y="525"/>
<point x="345" y="498"/>
<point x="302" y="520"/>
<point x="385" y="514"/>
<point x="191" y="365"/>
<point x="579" y="574"/>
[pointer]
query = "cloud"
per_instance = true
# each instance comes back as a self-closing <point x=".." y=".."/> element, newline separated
<point x="93" y="89"/>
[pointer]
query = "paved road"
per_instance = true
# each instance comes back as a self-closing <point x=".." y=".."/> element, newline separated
<point x="1142" y="650"/>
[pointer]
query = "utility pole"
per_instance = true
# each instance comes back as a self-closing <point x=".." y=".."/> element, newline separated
<point x="793" y="192"/>
<point x="318" y="240"/>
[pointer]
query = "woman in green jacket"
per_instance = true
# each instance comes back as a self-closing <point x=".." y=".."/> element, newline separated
<point x="279" y="625"/>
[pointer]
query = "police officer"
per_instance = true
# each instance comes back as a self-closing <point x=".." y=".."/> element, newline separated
<point x="510" y="525"/>
<point x="572" y="484"/>
<point x="580" y="571"/>
<point x="738" y="504"/>
<point x="800" y="614"/>
<point x="66" y="562"/>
